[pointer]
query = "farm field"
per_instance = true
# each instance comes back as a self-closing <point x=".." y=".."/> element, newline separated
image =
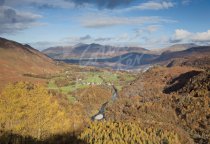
<point x="67" y="82"/>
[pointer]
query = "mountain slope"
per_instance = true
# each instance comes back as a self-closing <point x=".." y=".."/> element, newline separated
<point x="133" y="60"/>
<point x="17" y="59"/>
<point x="124" y="61"/>
<point x="199" y="51"/>
<point x="178" y="47"/>
<point x="90" y="51"/>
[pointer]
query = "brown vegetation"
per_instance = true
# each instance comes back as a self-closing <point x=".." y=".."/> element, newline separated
<point x="17" y="59"/>
<point x="191" y="103"/>
<point x="185" y="110"/>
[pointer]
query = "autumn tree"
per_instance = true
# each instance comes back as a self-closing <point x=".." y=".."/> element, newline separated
<point x="28" y="109"/>
<point x="108" y="132"/>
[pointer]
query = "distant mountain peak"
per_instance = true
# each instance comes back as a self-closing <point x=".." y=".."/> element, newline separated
<point x="90" y="50"/>
<point x="79" y="45"/>
<point x="95" y="44"/>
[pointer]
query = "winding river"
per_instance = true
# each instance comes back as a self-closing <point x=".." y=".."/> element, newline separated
<point x="100" y="115"/>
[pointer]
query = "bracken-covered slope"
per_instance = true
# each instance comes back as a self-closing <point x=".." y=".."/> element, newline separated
<point x="17" y="59"/>
<point x="175" y="98"/>
<point x="191" y="101"/>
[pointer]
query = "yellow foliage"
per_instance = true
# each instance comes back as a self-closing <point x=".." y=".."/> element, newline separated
<point x="107" y="132"/>
<point x="28" y="109"/>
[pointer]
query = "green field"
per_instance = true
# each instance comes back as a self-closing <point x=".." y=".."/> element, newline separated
<point x="84" y="79"/>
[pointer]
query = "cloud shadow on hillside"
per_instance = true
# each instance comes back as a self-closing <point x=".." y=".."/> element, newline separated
<point x="179" y="82"/>
<point x="11" y="138"/>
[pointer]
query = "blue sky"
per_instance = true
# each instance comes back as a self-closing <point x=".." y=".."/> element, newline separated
<point x="150" y="24"/>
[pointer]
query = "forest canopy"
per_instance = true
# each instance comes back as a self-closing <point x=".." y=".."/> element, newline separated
<point x="29" y="110"/>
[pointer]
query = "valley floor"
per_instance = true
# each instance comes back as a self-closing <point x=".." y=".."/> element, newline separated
<point x="160" y="105"/>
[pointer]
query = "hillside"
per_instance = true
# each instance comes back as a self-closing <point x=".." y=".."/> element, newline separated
<point x="191" y="52"/>
<point x="90" y="51"/>
<point x="134" y="60"/>
<point x="125" y="61"/>
<point x="179" y="57"/>
<point x="177" y="47"/>
<point x="17" y="59"/>
<point x="174" y="98"/>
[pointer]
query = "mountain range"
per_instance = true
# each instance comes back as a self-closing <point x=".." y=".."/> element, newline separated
<point x="124" y="57"/>
<point x="19" y="58"/>
<point x="90" y="51"/>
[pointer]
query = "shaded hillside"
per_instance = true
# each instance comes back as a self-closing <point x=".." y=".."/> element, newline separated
<point x="17" y="59"/>
<point x="133" y="59"/>
<point x="200" y="51"/>
<point x="90" y="51"/>
<point x="203" y="62"/>
<point x="191" y="103"/>
<point x="128" y="60"/>
<point x="200" y="62"/>
<point x="180" y="81"/>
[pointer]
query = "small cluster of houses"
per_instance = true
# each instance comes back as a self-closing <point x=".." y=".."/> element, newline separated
<point x="95" y="83"/>
<point x="92" y="83"/>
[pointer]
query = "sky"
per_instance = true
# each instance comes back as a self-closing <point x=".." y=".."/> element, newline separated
<point x="150" y="24"/>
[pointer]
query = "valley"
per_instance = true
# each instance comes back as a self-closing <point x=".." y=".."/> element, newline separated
<point x="160" y="97"/>
<point x="104" y="72"/>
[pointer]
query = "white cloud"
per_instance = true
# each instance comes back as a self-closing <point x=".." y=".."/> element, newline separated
<point x="101" y="20"/>
<point x="109" y="4"/>
<point x="186" y="2"/>
<point x="182" y="35"/>
<point x="152" y="5"/>
<point x="201" y="36"/>
<point x="144" y="31"/>
<point x="103" y="39"/>
<point x="41" y="3"/>
<point x="151" y="28"/>
<point x="156" y="42"/>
